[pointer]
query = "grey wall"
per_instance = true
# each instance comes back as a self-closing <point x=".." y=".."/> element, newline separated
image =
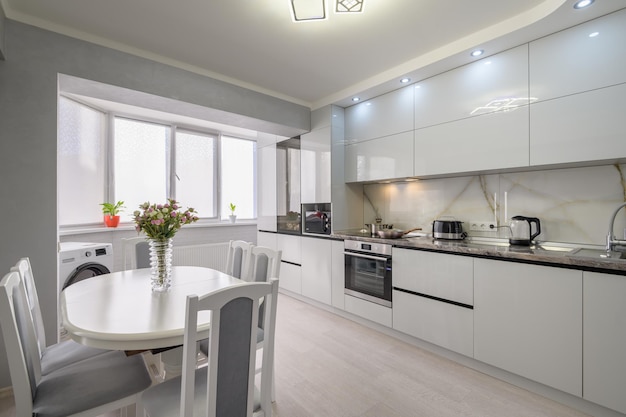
<point x="28" y="130"/>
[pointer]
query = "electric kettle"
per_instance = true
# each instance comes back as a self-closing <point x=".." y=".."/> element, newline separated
<point x="521" y="230"/>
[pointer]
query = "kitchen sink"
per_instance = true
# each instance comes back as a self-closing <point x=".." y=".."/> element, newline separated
<point x="552" y="248"/>
<point x="597" y="254"/>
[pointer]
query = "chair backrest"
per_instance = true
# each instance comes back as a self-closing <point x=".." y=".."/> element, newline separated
<point x="25" y="270"/>
<point x="18" y="333"/>
<point x="136" y="251"/>
<point x="238" y="259"/>
<point x="264" y="263"/>
<point x="232" y="349"/>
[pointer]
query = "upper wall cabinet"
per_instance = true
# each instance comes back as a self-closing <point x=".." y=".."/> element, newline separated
<point x="494" y="83"/>
<point x="266" y="193"/>
<point x="315" y="166"/>
<point x="384" y="115"/>
<point x="586" y="57"/>
<point x="380" y="159"/>
<point x="488" y="142"/>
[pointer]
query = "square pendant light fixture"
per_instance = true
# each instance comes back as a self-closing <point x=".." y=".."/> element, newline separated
<point x="311" y="10"/>
<point x="349" y="6"/>
<point x="303" y="10"/>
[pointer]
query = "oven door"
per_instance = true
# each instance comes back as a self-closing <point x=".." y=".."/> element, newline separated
<point x="368" y="277"/>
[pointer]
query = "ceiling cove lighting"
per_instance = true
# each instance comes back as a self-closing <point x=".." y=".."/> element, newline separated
<point x="315" y="10"/>
<point x="582" y="4"/>
<point x="477" y="52"/>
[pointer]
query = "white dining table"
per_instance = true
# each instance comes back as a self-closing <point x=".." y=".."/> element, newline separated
<point x="119" y="310"/>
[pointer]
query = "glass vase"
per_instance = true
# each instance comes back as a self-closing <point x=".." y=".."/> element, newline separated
<point x="160" y="264"/>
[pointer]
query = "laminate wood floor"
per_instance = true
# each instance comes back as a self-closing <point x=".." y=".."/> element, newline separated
<point x="328" y="366"/>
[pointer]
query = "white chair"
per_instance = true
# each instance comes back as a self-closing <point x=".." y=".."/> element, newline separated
<point x="91" y="387"/>
<point x="238" y="259"/>
<point x="58" y="355"/>
<point x="226" y="386"/>
<point x="136" y="252"/>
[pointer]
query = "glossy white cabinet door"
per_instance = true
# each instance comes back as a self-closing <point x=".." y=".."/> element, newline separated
<point x="474" y="89"/>
<point x="528" y="320"/>
<point x="266" y="188"/>
<point x="267" y="239"/>
<point x="338" y="271"/>
<point x="315" y="166"/>
<point x="588" y="126"/>
<point x="384" y="115"/>
<point x="370" y="311"/>
<point x="604" y="347"/>
<point x="290" y="278"/>
<point x="291" y="247"/>
<point x="442" y="324"/>
<point x="571" y="61"/>
<point x="379" y="159"/>
<point x="450" y="277"/>
<point x="317" y="269"/>
<point x="491" y="141"/>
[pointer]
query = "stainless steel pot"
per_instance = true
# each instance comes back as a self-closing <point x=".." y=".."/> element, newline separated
<point x="374" y="228"/>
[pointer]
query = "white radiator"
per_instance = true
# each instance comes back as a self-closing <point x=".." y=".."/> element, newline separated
<point x="209" y="255"/>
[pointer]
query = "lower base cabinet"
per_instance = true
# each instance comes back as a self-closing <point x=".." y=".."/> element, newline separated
<point x="290" y="277"/>
<point x="528" y="320"/>
<point x="316" y="269"/>
<point x="604" y="341"/>
<point x="368" y="310"/>
<point x="443" y="324"/>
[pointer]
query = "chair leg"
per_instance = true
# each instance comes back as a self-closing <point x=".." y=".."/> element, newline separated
<point x="273" y="385"/>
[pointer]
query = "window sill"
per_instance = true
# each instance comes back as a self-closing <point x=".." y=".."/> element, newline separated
<point x="79" y="230"/>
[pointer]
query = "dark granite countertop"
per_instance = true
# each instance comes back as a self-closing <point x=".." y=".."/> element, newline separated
<point x="549" y="254"/>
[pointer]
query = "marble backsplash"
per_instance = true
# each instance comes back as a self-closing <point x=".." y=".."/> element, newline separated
<point x="573" y="204"/>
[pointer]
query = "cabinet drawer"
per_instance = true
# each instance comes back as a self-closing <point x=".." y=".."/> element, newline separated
<point x="370" y="311"/>
<point x="449" y="277"/>
<point x="290" y="278"/>
<point x="442" y="324"/>
<point x="291" y="247"/>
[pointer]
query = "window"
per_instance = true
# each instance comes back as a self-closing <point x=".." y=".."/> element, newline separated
<point x="148" y="161"/>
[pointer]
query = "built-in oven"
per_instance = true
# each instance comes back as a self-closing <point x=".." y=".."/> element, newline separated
<point x="368" y="271"/>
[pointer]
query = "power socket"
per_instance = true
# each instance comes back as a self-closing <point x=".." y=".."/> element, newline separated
<point x="482" y="226"/>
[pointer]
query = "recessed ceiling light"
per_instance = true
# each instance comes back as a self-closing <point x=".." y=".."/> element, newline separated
<point x="582" y="4"/>
<point x="405" y="80"/>
<point x="477" y="52"/>
<point x="594" y="34"/>
<point x="355" y="99"/>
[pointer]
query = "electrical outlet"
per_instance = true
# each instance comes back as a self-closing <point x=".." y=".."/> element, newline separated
<point x="482" y="226"/>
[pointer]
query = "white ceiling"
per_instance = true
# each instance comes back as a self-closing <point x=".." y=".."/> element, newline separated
<point x="255" y="43"/>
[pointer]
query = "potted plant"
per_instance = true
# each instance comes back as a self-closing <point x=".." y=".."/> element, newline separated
<point x="110" y="211"/>
<point x="232" y="216"/>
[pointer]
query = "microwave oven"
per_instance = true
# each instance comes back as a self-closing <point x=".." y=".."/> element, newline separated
<point x="316" y="219"/>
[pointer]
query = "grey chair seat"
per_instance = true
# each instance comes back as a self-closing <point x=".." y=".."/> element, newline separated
<point x="100" y="380"/>
<point x="66" y="353"/>
<point x="163" y="400"/>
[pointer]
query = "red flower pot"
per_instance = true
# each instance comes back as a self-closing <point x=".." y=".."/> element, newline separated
<point x="111" y="221"/>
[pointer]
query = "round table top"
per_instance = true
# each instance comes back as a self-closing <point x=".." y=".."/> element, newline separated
<point x="120" y="311"/>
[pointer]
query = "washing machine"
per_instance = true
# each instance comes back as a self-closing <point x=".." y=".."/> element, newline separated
<point x="80" y="260"/>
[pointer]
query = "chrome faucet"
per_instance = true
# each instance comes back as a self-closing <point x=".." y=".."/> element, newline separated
<point x="611" y="242"/>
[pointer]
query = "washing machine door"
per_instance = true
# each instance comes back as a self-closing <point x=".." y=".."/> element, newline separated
<point x="85" y="271"/>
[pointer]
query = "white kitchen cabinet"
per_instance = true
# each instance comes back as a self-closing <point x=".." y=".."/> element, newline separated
<point x="604" y="341"/>
<point x="487" y="142"/>
<point x="267" y="239"/>
<point x="443" y="324"/>
<point x="266" y="187"/>
<point x="450" y="277"/>
<point x="290" y="266"/>
<point x="315" y="176"/>
<point x="573" y="61"/>
<point x="528" y="320"/>
<point x="338" y="273"/>
<point x="490" y="84"/>
<point x="380" y="159"/>
<point x="368" y="310"/>
<point x="317" y="269"/>
<point x="583" y="127"/>
<point x="384" y="115"/>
